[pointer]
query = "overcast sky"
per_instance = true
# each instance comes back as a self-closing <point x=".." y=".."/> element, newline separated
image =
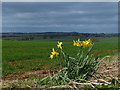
<point x="83" y="17"/>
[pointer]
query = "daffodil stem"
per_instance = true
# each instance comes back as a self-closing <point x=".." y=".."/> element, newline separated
<point x="63" y="53"/>
<point x="89" y="50"/>
<point x="79" y="51"/>
<point x="72" y="58"/>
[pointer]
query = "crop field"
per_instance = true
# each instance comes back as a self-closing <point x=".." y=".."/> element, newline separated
<point x="26" y="62"/>
<point x="22" y="56"/>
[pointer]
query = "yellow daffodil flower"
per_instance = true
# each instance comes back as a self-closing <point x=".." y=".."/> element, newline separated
<point x="76" y="43"/>
<point x="53" y="53"/>
<point x="51" y="56"/>
<point x="86" y="43"/>
<point x="59" y="45"/>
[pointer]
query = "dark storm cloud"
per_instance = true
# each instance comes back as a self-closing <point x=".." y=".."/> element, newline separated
<point x="46" y="17"/>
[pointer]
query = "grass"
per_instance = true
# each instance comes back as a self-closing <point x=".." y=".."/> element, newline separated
<point x="22" y="56"/>
<point x="105" y="87"/>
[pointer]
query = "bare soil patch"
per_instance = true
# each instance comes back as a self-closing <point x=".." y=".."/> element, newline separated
<point x="25" y="75"/>
<point x="109" y="68"/>
<point x="97" y="52"/>
<point x="107" y="71"/>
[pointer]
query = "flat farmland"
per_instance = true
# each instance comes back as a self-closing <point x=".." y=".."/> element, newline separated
<point x="23" y="56"/>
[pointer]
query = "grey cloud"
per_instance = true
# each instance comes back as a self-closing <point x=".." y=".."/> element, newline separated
<point x="89" y="16"/>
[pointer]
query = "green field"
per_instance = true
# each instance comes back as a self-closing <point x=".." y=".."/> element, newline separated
<point x="22" y="56"/>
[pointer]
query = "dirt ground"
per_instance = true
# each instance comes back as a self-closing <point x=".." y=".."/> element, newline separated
<point x="108" y="69"/>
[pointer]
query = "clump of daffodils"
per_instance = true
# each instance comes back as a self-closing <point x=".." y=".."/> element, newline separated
<point x="85" y="43"/>
<point x="82" y="66"/>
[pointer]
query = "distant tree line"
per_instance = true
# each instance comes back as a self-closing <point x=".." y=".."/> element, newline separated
<point x="30" y="36"/>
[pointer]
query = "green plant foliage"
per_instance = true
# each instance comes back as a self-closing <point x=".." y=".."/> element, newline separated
<point x="82" y="66"/>
<point x="34" y="53"/>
